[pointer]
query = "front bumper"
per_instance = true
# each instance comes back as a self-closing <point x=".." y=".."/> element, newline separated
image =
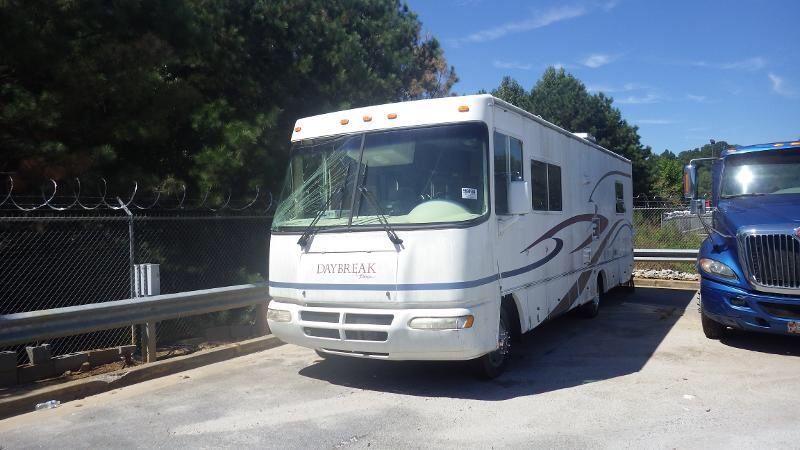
<point x="385" y="334"/>
<point x="756" y="311"/>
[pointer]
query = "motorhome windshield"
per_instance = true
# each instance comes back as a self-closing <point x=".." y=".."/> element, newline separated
<point x="749" y="174"/>
<point x="417" y="176"/>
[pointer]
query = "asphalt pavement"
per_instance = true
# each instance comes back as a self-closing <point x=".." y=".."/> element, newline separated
<point x="641" y="374"/>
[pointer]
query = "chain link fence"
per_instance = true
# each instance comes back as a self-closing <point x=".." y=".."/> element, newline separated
<point x="56" y="257"/>
<point x="666" y="224"/>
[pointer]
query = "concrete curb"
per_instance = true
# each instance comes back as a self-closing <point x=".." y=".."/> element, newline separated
<point x="24" y="401"/>
<point x="667" y="284"/>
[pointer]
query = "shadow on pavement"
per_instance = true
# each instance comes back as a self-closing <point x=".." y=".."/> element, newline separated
<point x="763" y="343"/>
<point x="560" y="354"/>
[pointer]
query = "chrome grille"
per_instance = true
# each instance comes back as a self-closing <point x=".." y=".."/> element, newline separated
<point x="772" y="260"/>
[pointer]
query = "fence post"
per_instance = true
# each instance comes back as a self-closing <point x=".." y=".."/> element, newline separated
<point x="131" y="270"/>
<point x="147" y="281"/>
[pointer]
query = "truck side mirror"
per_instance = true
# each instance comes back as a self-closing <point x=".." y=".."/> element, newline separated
<point x="519" y="201"/>
<point x="690" y="181"/>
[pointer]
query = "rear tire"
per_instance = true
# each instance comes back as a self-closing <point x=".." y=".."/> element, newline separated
<point x="592" y="308"/>
<point x="494" y="363"/>
<point x="711" y="328"/>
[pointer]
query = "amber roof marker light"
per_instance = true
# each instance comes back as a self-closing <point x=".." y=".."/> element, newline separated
<point x="344" y="121"/>
<point x="391" y="116"/>
<point x="367" y="118"/>
<point x="463" y="108"/>
<point x="297" y="129"/>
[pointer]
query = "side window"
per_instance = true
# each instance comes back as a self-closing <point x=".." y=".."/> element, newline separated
<point x="619" y="190"/>
<point x="500" y="173"/>
<point x="547" y="192"/>
<point x="553" y="187"/>
<point x="539" y="182"/>
<point x="515" y="151"/>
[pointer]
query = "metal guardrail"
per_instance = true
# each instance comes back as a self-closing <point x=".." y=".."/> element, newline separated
<point x="665" y="255"/>
<point x="21" y="328"/>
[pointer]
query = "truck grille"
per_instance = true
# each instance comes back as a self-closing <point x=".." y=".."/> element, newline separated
<point x="772" y="260"/>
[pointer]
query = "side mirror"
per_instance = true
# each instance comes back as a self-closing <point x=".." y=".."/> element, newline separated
<point x="519" y="199"/>
<point x="689" y="181"/>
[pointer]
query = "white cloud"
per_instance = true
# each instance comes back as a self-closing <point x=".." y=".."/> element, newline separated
<point x="639" y="100"/>
<point x="540" y="20"/>
<point x="779" y="86"/>
<point x="609" y="5"/>
<point x="749" y="64"/>
<point x="697" y="98"/>
<point x="596" y="60"/>
<point x="654" y="121"/>
<point x="512" y="65"/>
<point x="609" y="89"/>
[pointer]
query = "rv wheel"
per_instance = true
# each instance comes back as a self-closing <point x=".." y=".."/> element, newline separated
<point x="590" y="309"/>
<point x="493" y="364"/>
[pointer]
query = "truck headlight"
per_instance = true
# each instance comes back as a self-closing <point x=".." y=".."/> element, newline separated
<point x="278" y="315"/>
<point x="441" y="323"/>
<point x="716" y="268"/>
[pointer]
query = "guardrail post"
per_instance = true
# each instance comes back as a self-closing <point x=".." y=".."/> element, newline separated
<point x="147" y="283"/>
<point x="262" y="329"/>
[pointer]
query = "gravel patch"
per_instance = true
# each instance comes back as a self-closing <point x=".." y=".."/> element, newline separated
<point x="665" y="274"/>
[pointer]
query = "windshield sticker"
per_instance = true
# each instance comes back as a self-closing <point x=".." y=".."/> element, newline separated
<point x="469" y="193"/>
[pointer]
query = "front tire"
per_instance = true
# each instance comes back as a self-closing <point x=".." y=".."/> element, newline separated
<point x="711" y="328"/>
<point x="494" y="363"/>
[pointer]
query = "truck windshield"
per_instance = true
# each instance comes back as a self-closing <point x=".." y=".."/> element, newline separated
<point x="773" y="172"/>
<point x="417" y="176"/>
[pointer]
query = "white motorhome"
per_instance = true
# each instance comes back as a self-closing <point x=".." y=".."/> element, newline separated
<point x="441" y="229"/>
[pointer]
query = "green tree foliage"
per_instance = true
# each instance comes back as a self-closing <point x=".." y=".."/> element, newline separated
<point x="562" y="99"/>
<point x="204" y="91"/>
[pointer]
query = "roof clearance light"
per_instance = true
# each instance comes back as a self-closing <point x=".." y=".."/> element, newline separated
<point x="795" y="143"/>
<point x="777" y="145"/>
<point x="297" y="129"/>
<point x="367" y="118"/>
<point x="731" y="150"/>
<point x="391" y="116"/>
<point x="463" y="108"/>
<point x="344" y="121"/>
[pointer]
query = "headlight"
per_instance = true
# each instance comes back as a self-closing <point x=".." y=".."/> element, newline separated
<point x="441" y="323"/>
<point x="279" y="315"/>
<point x="716" y="268"/>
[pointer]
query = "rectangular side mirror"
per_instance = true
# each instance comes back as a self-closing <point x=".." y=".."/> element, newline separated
<point x="519" y="199"/>
<point x="689" y="181"/>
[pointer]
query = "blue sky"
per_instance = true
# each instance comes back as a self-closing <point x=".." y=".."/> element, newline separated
<point x="683" y="71"/>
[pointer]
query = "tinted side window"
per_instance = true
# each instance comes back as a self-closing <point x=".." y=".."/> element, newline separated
<point x="553" y="187"/>
<point x="515" y="152"/>
<point x="619" y="190"/>
<point x="539" y="188"/>
<point x="500" y="173"/>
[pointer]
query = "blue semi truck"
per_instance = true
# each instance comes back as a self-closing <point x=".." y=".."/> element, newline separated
<point x="750" y="262"/>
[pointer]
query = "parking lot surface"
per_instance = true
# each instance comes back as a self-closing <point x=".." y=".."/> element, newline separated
<point x="641" y="374"/>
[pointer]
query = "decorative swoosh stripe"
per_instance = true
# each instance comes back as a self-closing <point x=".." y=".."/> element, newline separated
<point x="613" y="172"/>
<point x="536" y="264"/>
<point x="572" y="220"/>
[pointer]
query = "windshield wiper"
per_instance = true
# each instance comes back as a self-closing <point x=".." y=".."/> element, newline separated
<point x="381" y="215"/>
<point x="311" y="228"/>
<point x="750" y="194"/>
